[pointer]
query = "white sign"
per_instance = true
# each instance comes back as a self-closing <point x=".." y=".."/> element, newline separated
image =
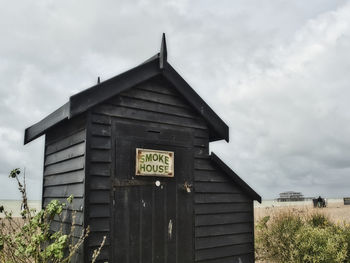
<point x="154" y="163"/>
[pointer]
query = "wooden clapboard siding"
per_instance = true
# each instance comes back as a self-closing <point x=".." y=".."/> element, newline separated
<point x="224" y="226"/>
<point x="64" y="175"/>
<point x="99" y="186"/>
<point x="154" y="101"/>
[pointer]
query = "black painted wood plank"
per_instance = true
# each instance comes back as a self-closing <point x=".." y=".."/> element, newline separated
<point x="141" y="104"/>
<point x="73" y="139"/>
<point x="100" y="155"/>
<point x="171" y="219"/>
<point x="146" y="225"/>
<point x="165" y="135"/>
<point x="228" y="259"/>
<point x="247" y="258"/>
<point x="122" y="223"/>
<point x="225" y="229"/>
<point x="100" y="129"/>
<point x="224" y="251"/>
<point x="204" y="164"/>
<point x="99" y="210"/>
<point x="210" y="176"/>
<point x="201" y="142"/>
<point x="64" y="190"/>
<point x="66" y="129"/>
<point x="99" y="225"/>
<point x="218" y="219"/>
<point x="130" y="113"/>
<point x="99" y="197"/>
<point x="101" y="169"/>
<point x="68" y="153"/>
<point x="225" y="240"/>
<point x="159" y="227"/>
<point x="209" y="187"/>
<point x="158" y="125"/>
<point x="100" y="119"/>
<point x="185" y="211"/>
<point x="220" y="198"/>
<point x="201" y="134"/>
<point x="64" y="178"/>
<point x="135" y="204"/>
<point x="159" y="85"/>
<point x="201" y="152"/>
<point x="66" y="166"/>
<point x="100" y="143"/>
<point x="156" y="97"/>
<point x="100" y="183"/>
<point x="222" y="208"/>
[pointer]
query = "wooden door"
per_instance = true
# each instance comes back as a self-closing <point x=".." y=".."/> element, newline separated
<point x="153" y="216"/>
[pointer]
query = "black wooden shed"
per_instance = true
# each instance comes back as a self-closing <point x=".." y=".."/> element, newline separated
<point x="95" y="146"/>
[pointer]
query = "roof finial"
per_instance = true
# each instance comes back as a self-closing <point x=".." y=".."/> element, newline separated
<point x="98" y="80"/>
<point x="163" y="53"/>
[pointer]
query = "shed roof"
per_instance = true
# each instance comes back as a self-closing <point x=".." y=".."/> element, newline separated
<point x="227" y="170"/>
<point x="155" y="66"/>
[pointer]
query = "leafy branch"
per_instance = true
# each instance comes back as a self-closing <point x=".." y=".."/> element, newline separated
<point x="31" y="239"/>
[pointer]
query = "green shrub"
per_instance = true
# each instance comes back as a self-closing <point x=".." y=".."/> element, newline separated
<point x="320" y="244"/>
<point x="29" y="239"/>
<point x="346" y="232"/>
<point x="292" y="238"/>
<point x="318" y="220"/>
<point x="275" y="239"/>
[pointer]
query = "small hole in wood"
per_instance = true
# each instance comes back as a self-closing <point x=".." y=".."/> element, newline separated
<point x="153" y="131"/>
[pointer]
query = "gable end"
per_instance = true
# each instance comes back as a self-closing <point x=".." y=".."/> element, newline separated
<point x="227" y="170"/>
<point x="101" y="92"/>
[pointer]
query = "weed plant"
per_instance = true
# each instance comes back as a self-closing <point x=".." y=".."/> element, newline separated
<point x="292" y="237"/>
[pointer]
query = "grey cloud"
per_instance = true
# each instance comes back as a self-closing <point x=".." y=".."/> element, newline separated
<point x="275" y="71"/>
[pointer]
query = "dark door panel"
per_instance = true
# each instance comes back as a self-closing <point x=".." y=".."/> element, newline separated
<point x="152" y="223"/>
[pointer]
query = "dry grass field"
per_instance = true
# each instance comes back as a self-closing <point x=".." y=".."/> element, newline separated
<point x="337" y="212"/>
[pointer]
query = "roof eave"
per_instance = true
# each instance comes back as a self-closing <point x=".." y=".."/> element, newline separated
<point x="250" y="192"/>
<point x="88" y="98"/>
<point x="39" y="128"/>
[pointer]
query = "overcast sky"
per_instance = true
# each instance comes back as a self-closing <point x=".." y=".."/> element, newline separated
<point x="276" y="71"/>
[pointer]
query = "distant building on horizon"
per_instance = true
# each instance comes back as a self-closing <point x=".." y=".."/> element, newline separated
<point x="291" y="196"/>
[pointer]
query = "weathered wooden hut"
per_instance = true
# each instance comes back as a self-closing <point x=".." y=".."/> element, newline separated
<point x="134" y="152"/>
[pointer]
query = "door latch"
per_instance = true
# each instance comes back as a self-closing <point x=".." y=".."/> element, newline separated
<point x="187" y="187"/>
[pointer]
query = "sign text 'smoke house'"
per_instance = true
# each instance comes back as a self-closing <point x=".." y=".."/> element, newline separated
<point x="152" y="162"/>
